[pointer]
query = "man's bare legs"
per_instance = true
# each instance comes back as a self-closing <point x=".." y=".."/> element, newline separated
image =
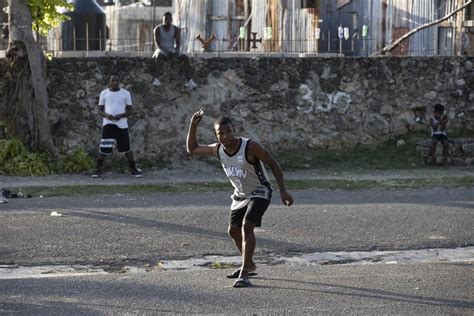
<point x="161" y="59"/>
<point x="445" y="144"/>
<point x="245" y="241"/>
<point x="434" y="143"/>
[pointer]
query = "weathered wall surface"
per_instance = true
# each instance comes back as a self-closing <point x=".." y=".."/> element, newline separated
<point x="460" y="152"/>
<point x="285" y="103"/>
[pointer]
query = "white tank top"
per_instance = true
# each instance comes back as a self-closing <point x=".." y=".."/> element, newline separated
<point x="437" y="131"/>
<point x="249" y="180"/>
<point x="167" y="38"/>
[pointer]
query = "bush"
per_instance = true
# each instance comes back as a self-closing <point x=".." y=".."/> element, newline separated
<point x="17" y="160"/>
<point x="79" y="161"/>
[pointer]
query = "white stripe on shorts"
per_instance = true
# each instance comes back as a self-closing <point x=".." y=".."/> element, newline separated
<point x="107" y="142"/>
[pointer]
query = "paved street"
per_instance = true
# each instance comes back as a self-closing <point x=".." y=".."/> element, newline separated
<point x="130" y="243"/>
<point x="409" y="289"/>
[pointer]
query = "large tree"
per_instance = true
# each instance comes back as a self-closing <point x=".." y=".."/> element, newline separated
<point x="26" y="111"/>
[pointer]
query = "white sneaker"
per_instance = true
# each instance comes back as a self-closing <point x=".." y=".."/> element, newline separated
<point x="156" y="82"/>
<point x="136" y="172"/>
<point x="191" y="84"/>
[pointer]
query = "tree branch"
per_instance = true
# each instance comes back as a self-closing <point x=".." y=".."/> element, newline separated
<point x="390" y="47"/>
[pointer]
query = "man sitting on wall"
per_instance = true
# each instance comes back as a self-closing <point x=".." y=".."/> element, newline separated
<point x="168" y="41"/>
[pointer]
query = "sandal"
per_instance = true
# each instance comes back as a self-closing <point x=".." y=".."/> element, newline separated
<point x="236" y="273"/>
<point x="242" y="282"/>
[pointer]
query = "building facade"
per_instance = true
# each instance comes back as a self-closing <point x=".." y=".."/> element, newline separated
<point x="346" y="27"/>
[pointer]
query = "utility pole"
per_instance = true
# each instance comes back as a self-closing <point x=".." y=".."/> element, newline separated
<point x="458" y="19"/>
<point x="153" y="26"/>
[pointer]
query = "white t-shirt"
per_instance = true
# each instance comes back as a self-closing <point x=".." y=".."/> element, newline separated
<point x="114" y="103"/>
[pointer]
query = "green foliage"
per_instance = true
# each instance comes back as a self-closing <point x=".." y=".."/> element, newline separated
<point x="16" y="160"/>
<point x="79" y="161"/>
<point x="222" y="265"/>
<point x="47" y="14"/>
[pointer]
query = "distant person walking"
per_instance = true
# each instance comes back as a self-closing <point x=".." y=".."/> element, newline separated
<point x="115" y="106"/>
<point x="168" y="40"/>
<point x="243" y="162"/>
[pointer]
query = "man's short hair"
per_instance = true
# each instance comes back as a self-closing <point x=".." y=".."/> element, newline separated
<point x="439" y="108"/>
<point x="167" y="14"/>
<point x="223" y="120"/>
<point x="114" y="74"/>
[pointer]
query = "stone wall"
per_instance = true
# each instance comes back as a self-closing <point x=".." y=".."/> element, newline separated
<point x="285" y="103"/>
<point x="460" y="151"/>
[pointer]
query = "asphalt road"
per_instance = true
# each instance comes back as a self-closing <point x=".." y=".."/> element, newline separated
<point x="412" y="289"/>
<point x="144" y="230"/>
<point x="148" y="228"/>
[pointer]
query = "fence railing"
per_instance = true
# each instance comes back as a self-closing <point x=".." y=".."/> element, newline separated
<point x="352" y="47"/>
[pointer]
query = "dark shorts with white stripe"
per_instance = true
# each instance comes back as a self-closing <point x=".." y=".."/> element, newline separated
<point x="252" y="212"/>
<point x="111" y="133"/>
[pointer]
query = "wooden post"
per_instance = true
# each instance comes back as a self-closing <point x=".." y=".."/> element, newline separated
<point x="384" y="22"/>
<point x="247" y="14"/>
<point x="458" y="28"/>
<point x="87" y="36"/>
<point x="329" y="40"/>
<point x="153" y="26"/>
<point x="229" y="22"/>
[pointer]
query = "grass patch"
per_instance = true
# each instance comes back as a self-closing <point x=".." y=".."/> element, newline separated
<point x="380" y="184"/>
<point x="384" y="157"/>
<point x="90" y="190"/>
<point x="221" y="265"/>
<point x="387" y="156"/>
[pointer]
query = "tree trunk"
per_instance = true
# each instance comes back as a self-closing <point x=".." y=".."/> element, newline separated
<point x="27" y="107"/>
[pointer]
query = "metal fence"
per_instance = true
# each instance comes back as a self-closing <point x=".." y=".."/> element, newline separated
<point x="350" y="48"/>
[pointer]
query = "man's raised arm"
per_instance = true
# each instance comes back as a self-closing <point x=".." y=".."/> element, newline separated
<point x="192" y="146"/>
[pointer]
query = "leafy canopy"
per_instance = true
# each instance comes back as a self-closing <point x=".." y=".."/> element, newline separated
<point x="47" y="14"/>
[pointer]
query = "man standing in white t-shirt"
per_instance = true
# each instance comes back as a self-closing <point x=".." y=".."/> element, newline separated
<point x="115" y="106"/>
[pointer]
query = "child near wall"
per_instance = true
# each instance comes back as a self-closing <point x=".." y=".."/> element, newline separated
<point x="438" y="123"/>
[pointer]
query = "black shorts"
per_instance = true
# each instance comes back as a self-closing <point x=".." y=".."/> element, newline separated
<point x="252" y="212"/>
<point x="111" y="133"/>
<point x="439" y="137"/>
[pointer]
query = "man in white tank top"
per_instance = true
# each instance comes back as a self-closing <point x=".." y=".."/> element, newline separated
<point x="243" y="162"/>
<point x="168" y="41"/>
